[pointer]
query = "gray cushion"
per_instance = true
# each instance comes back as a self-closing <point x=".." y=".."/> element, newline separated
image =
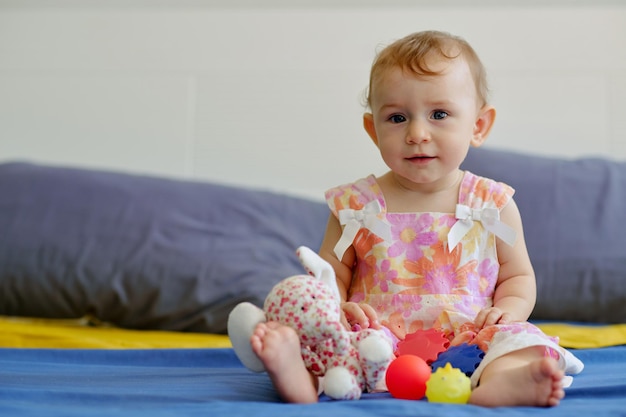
<point x="151" y="253"/>
<point x="143" y="252"/>
<point x="574" y="214"/>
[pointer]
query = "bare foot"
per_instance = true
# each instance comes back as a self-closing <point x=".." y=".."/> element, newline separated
<point x="537" y="383"/>
<point x="278" y="347"/>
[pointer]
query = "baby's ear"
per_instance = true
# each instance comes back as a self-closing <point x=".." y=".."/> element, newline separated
<point x="484" y="122"/>
<point x="368" y="124"/>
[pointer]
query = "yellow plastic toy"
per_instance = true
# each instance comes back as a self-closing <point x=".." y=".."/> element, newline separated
<point x="448" y="385"/>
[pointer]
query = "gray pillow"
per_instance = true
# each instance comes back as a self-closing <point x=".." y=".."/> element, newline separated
<point x="574" y="214"/>
<point x="151" y="253"/>
<point x="143" y="252"/>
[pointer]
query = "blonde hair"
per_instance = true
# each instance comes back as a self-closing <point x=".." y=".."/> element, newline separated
<point x="413" y="52"/>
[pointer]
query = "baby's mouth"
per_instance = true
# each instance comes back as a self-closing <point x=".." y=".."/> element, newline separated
<point x="420" y="158"/>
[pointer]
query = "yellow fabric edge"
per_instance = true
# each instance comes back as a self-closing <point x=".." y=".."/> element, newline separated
<point x="49" y="333"/>
<point x="582" y="336"/>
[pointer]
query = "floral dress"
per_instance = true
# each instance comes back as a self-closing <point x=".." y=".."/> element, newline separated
<point x="434" y="270"/>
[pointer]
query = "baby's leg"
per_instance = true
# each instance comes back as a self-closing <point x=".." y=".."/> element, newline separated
<point x="524" y="377"/>
<point x="278" y="347"/>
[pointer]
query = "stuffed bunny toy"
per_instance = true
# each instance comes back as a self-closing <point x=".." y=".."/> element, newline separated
<point x="351" y="362"/>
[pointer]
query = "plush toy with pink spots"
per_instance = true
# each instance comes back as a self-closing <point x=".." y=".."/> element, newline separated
<point x="351" y="362"/>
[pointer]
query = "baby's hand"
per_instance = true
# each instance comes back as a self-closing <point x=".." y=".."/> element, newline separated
<point x="492" y="315"/>
<point x="359" y="314"/>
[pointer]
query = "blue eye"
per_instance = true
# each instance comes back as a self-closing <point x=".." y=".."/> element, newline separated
<point x="439" y="115"/>
<point x="397" y="118"/>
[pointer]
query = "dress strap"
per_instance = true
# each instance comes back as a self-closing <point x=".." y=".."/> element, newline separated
<point x="488" y="217"/>
<point x="354" y="220"/>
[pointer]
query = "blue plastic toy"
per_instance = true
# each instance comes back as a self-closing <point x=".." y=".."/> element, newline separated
<point x="464" y="357"/>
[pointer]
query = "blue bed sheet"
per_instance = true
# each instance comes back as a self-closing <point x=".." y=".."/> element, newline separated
<point x="212" y="382"/>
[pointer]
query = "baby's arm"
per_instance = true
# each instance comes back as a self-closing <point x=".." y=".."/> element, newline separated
<point x="361" y="314"/>
<point x="516" y="289"/>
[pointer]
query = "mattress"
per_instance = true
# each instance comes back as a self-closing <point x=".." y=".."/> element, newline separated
<point x="210" y="381"/>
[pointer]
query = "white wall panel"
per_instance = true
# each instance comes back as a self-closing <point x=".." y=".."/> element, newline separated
<point x="277" y="128"/>
<point x="267" y="94"/>
<point x="617" y="114"/>
<point x="116" y="121"/>
<point x="553" y="113"/>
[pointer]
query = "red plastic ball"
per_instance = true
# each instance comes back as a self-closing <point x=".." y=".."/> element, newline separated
<point x="406" y="377"/>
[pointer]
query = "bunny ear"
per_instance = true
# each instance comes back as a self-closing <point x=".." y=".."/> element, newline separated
<point x="319" y="268"/>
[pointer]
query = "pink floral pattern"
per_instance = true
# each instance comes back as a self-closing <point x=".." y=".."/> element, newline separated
<point x="308" y="305"/>
<point x="414" y="282"/>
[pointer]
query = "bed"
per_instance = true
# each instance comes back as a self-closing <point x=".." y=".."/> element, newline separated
<point x="115" y="288"/>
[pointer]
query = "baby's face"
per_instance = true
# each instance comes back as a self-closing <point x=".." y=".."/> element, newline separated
<point x="425" y="124"/>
